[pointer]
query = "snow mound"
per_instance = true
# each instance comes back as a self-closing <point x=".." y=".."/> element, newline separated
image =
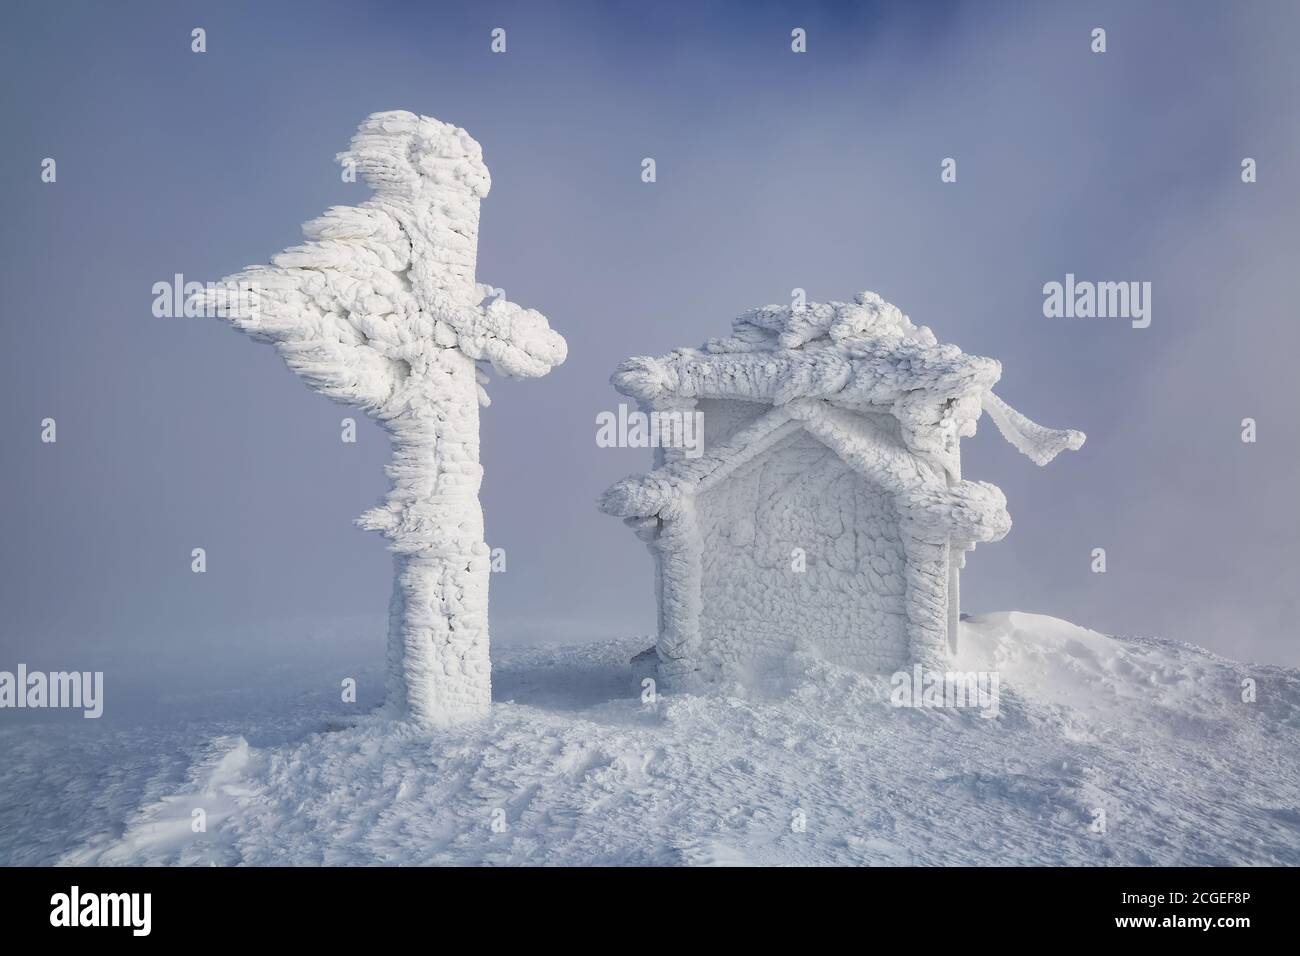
<point x="1072" y="669"/>
<point x="813" y="766"/>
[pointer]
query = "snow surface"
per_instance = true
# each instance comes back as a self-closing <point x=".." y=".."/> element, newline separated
<point x="1152" y="731"/>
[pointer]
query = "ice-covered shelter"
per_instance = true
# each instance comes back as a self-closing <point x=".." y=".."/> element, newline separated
<point x="827" y="511"/>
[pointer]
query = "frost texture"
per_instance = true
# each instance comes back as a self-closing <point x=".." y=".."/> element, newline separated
<point x="380" y="309"/>
<point x="827" y="512"/>
<point x="1040" y="445"/>
<point x="588" y="774"/>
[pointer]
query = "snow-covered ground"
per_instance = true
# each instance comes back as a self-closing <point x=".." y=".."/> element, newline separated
<point x="572" y="767"/>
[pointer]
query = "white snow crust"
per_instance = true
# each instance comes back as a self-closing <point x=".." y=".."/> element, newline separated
<point x="1154" y="732"/>
<point x="380" y="309"/>
<point x="832" y="433"/>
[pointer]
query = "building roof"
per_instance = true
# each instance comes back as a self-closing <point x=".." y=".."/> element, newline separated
<point x="864" y="354"/>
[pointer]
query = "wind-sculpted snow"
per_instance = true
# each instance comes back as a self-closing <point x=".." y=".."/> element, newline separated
<point x="855" y="355"/>
<point x="857" y="558"/>
<point x="380" y="309"/>
<point x="1037" y="443"/>
<point x="1154" y="733"/>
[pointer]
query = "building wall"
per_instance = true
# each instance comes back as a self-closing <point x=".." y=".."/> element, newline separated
<point x="847" y="606"/>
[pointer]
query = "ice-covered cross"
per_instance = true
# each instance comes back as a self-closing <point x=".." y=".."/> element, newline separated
<point x="380" y="309"/>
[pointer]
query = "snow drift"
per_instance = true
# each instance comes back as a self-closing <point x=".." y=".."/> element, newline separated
<point x="573" y="768"/>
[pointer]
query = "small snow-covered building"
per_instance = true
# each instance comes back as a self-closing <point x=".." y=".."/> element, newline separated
<point x="826" y="510"/>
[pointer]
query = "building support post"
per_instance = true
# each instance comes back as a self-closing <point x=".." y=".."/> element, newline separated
<point x="956" y="558"/>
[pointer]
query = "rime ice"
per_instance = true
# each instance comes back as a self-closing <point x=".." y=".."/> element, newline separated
<point x="828" y="512"/>
<point x="380" y="309"/>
